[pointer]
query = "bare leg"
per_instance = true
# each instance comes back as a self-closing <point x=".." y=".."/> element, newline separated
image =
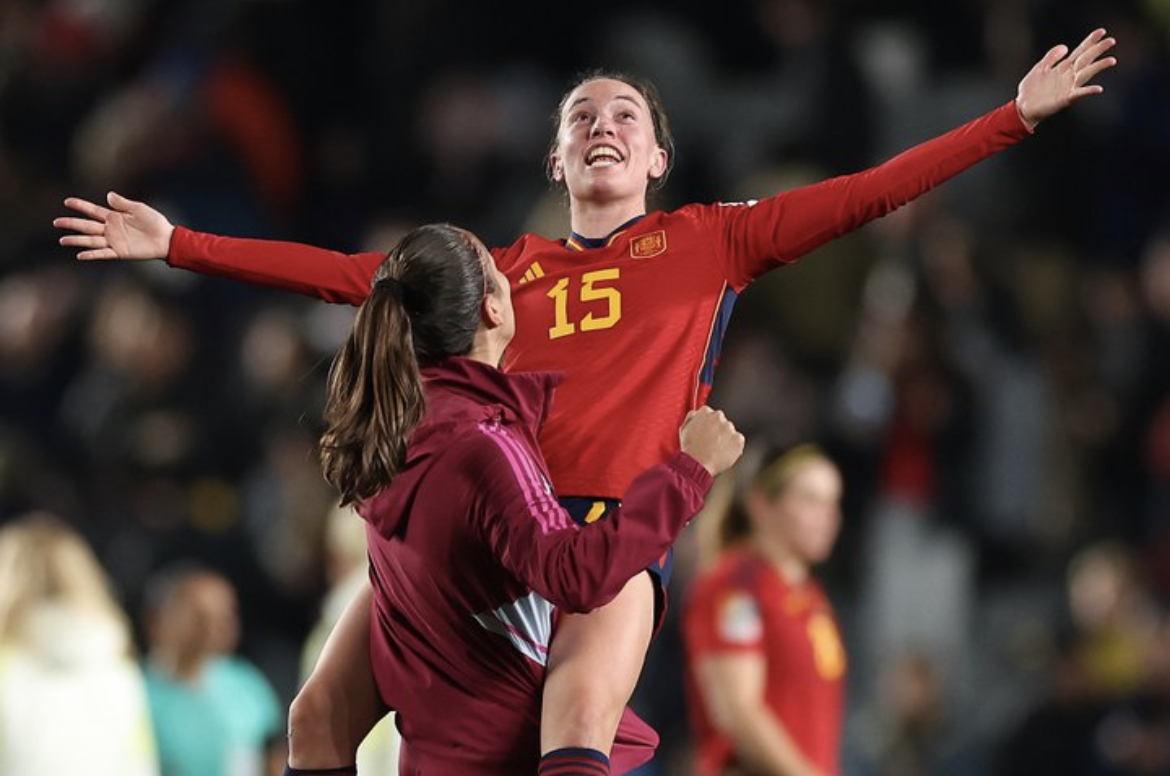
<point x="594" y="663"/>
<point x="338" y="704"/>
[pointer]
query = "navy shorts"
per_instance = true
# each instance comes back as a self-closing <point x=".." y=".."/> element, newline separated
<point x="585" y="510"/>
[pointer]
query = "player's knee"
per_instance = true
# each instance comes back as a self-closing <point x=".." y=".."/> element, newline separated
<point x="594" y="706"/>
<point x="310" y="713"/>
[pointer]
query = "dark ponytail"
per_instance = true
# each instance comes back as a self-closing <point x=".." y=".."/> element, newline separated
<point x="424" y="306"/>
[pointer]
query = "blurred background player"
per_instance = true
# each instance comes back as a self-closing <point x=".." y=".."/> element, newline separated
<point x="765" y="660"/>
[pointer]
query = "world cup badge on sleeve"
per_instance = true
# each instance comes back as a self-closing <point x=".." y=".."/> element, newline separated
<point x="648" y="245"/>
<point x="739" y="619"/>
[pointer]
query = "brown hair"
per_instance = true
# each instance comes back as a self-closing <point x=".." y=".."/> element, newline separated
<point x="424" y="306"/>
<point x="662" y="133"/>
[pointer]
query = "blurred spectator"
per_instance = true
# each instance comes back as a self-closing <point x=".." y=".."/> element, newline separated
<point x="1106" y="707"/>
<point x="1114" y="617"/>
<point x="215" y="714"/>
<point x="808" y="100"/>
<point x="914" y="731"/>
<point x="1055" y="736"/>
<point x="72" y="698"/>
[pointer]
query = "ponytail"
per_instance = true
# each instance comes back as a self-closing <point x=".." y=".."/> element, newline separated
<point x="424" y="306"/>
<point x="375" y="399"/>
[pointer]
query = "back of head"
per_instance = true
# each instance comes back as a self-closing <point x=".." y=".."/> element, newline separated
<point x="48" y="571"/>
<point x="424" y="306"/>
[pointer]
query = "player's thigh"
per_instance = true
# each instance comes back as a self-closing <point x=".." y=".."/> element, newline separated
<point x="343" y="670"/>
<point x="614" y="636"/>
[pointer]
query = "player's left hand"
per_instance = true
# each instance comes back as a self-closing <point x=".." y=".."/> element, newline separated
<point x="1062" y="77"/>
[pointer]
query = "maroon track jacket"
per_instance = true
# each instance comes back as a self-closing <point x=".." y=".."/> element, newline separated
<point x="471" y="555"/>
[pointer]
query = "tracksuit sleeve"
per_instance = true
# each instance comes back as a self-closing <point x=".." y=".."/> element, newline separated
<point x="303" y="269"/>
<point x="580" y="568"/>
<point x="760" y="236"/>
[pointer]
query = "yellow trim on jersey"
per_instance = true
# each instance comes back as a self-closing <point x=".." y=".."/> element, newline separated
<point x="573" y="245"/>
<point x="534" y="271"/>
<point x="595" y="512"/>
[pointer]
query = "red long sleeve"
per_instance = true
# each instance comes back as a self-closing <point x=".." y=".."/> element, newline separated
<point x="329" y="275"/>
<point x="780" y="229"/>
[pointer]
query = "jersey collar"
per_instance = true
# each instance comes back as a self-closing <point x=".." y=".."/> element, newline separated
<point x="576" y="242"/>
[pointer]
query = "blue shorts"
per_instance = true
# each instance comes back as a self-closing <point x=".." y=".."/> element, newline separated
<point x="585" y="510"/>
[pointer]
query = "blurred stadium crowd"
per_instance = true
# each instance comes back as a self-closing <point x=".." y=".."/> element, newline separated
<point x="988" y="366"/>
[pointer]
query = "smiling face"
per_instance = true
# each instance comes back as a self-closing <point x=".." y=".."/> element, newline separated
<point x="606" y="148"/>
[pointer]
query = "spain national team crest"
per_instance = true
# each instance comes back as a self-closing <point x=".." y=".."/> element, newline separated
<point x="648" y="245"/>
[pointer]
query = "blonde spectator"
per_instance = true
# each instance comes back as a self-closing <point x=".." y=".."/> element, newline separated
<point x="72" y="698"/>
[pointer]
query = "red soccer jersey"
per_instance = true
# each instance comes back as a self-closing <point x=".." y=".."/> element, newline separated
<point x="742" y="605"/>
<point x="636" y="324"/>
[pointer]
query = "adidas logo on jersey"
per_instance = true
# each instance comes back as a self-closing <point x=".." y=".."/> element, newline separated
<point x="534" y="271"/>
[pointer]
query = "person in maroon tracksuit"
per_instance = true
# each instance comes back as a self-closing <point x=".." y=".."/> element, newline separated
<point x="472" y="556"/>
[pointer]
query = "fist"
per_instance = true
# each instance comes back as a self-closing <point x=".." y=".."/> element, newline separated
<point x="711" y="439"/>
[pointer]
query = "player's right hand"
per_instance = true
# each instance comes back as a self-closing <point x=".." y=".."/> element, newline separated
<point x="124" y="230"/>
<point x="711" y="439"/>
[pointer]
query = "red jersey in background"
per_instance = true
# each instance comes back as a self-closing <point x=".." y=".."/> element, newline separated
<point x="743" y="605"/>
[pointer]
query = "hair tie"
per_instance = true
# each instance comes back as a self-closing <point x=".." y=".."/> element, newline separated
<point x="393" y="285"/>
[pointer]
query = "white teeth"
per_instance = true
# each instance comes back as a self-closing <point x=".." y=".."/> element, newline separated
<point x="602" y="156"/>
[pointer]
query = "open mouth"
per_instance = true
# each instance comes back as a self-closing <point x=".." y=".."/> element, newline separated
<point x="602" y="156"/>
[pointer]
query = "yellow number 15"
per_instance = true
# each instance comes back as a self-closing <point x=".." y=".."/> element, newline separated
<point x="589" y="292"/>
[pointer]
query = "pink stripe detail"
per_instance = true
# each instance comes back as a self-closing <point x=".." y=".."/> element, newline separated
<point x="542" y="499"/>
<point x="546" y="510"/>
<point x="512" y="629"/>
<point x="540" y="488"/>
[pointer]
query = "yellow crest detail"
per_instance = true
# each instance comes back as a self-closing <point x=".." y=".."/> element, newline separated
<point x="648" y="245"/>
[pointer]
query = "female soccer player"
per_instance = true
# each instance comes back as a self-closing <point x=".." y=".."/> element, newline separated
<point x="469" y="548"/>
<point x="632" y="307"/>
<point x="765" y="663"/>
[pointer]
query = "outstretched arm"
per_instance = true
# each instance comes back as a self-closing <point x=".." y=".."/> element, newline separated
<point x="134" y="230"/>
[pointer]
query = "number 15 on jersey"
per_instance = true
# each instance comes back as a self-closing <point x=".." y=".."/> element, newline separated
<point x="596" y="293"/>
